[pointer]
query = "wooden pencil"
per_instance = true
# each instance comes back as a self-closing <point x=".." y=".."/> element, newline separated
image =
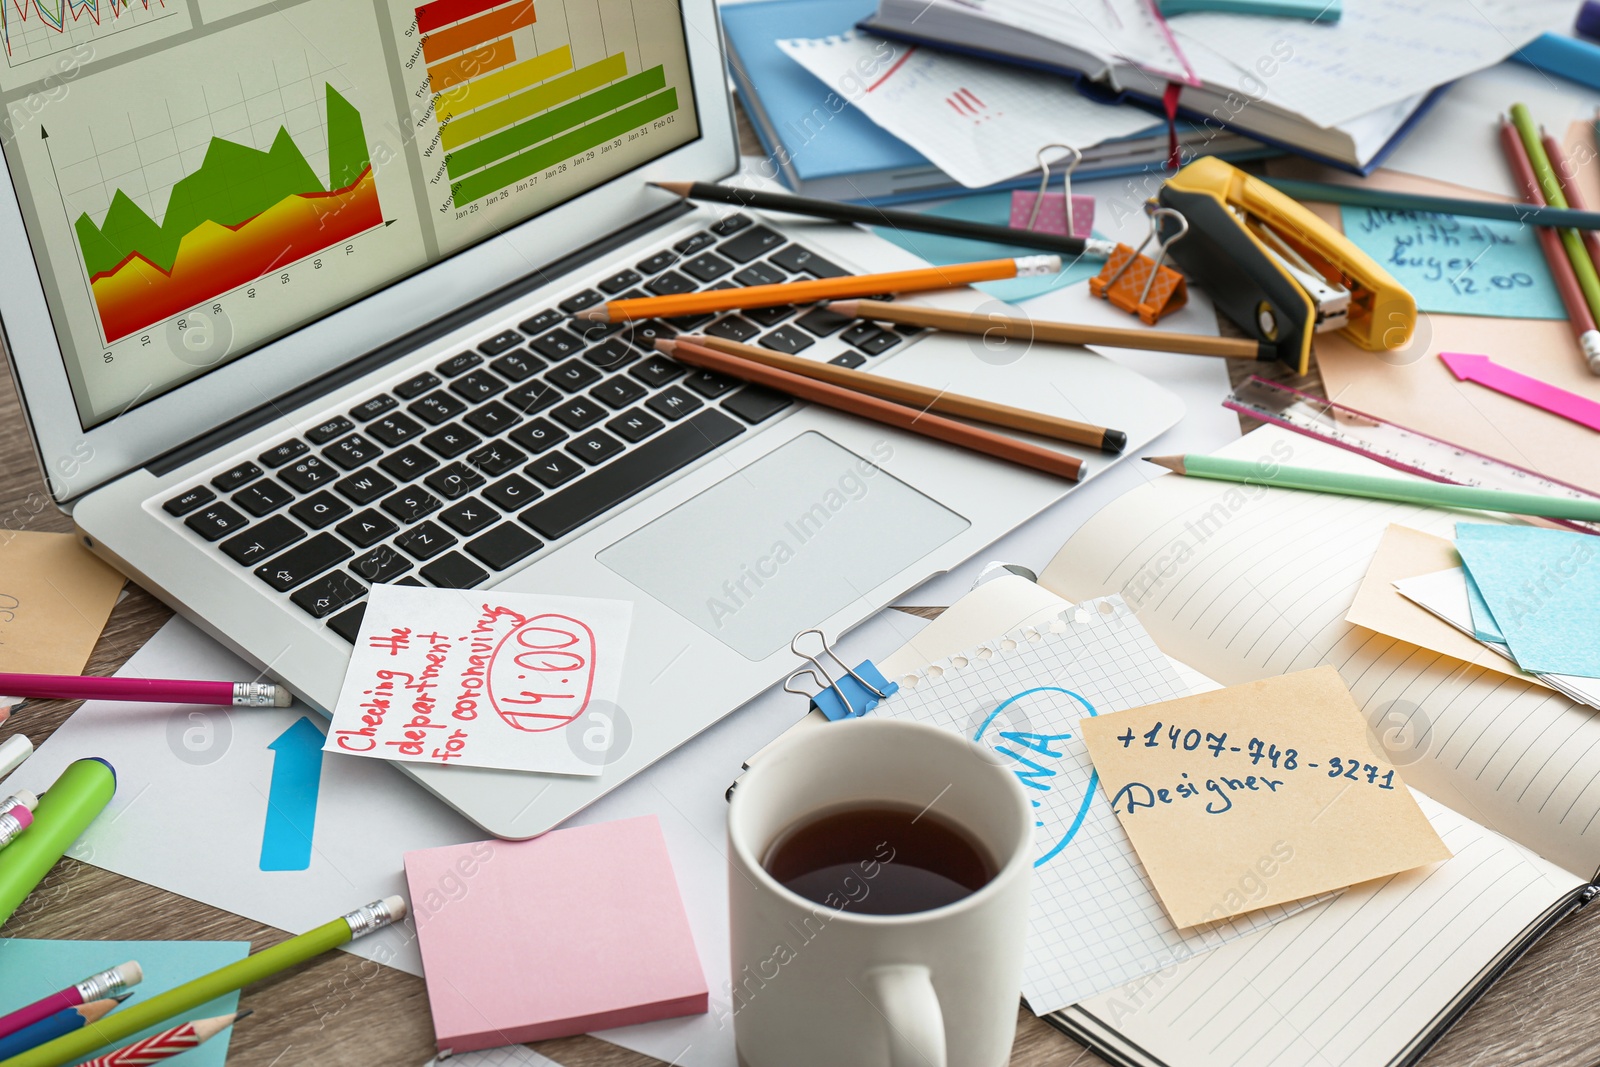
<point x="805" y="292"/>
<point x="1555" y="255"/>
<point x="1566" y="170"/>
<point x="1068" y="333"/>
<point x="1550" y="187"/>
<point x="928" y="398"/>
<point x="1384" y="199"/>
<point x="887" y="412"/>
<point x="167" y="1044"/>
<point x="870" y="215"/>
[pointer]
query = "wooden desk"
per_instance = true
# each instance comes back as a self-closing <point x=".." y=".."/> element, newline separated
<point x="337" y="1011"/>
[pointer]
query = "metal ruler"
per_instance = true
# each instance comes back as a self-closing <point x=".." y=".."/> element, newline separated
<point x="1394" y="445"/>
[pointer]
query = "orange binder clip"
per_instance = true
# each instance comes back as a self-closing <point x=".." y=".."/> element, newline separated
<point x="1140" y="285"/>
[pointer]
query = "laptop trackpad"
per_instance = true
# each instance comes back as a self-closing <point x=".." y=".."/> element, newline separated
<point x="782" y="544"/>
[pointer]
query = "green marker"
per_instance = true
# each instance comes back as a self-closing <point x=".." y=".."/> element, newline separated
<point x="1550" y="186"/>
<point x="1376" y="487"/>
<point x="64" y="813"/>
<point x="264" y="964"/>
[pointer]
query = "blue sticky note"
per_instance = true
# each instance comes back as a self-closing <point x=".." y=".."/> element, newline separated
<point x="1543" y="589"/>
<point x="994" y="209"/>
<point x="1459" y="265"/>
<point x="1483" y="624"/>
<point x="31" y="969"/>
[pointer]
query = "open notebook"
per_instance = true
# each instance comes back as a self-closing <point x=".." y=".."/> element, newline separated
<point x="1247" y="582"/>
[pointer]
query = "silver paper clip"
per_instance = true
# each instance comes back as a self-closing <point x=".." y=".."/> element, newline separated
<point x="1044" y="185"/>
<point x="825" y="681"/>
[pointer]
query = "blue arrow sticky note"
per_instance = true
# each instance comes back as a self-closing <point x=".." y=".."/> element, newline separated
<point x="292" y="798"/>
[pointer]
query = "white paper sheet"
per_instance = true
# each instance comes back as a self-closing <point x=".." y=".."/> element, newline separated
<point x="1379" y="52"/>
<point x="480" y="679"/>
<point x="979" y="122"/>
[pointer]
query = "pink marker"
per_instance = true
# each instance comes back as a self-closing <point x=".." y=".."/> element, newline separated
<point x="1557" y="401"/>
<point x="12" y="823"/>
<point x="104" y="984"/>
<point x="152" y="690"/>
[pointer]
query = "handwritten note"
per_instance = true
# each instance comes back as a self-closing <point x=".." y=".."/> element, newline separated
<point x="1459" y="265"/>
<point x="55" y="597"/>
<point x="1257" y="795"/>
<point x="519" y="681"/>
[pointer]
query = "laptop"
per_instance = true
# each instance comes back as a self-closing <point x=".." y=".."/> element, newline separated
<point x="290" y="300"/>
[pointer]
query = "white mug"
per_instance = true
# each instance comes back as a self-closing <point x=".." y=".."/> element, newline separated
<point x="814" y="984"/>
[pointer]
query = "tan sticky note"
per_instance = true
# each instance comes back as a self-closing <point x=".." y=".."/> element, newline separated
<point x="55" y="597"/>
<point x="1256" y="795"/>
<point x="1407" y="553"/>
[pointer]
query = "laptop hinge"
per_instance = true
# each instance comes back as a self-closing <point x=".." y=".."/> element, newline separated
<point x="309" y="393"/>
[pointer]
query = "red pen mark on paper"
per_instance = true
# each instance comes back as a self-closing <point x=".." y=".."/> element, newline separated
<point x="909" y="52"/>
<point x="542" y="673"/>
<point x="967" y="104"/>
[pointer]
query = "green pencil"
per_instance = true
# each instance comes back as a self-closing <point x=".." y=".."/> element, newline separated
<point x="1433" y="494"/>
<point x="1504" y="210"/>
<point x="263" y="964"/>
<point x="1550" y="186"/>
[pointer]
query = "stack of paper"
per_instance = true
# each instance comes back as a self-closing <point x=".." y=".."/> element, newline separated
<point x="1528" y="593"/>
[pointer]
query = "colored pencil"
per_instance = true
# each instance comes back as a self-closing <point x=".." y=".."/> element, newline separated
<point x="1550" y="187"/>
<point x="1566" y="170"/>
<point x="64" y="1021"/>
<point x="1376" y="487"/>
<point x="94" y="987"/>
<point x="1555" y="255"/>
<point x="887" y="412"/>
<point x="805" y="292"/>
<point x="149" y="690"/>
<point x="868" y="215"/>
<point x="1504" y="210"/>
<point x="22" y="798"/>
<point x="167" y="1044"/>
<point x="927" y="398"/>
<point x="985" y="324"/>
<point x="192" y="994"/>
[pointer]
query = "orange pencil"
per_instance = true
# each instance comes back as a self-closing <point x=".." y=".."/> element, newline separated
<point x="852" y="285"/>
<point x="1566" y="170"/>
<point x="870" y="407"/>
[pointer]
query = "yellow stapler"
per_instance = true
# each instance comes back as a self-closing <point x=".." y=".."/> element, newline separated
<point x="1277" y="270"/>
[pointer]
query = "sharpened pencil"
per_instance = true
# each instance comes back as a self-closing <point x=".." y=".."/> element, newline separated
<point x="1377" y="487"/>
<point x="64" y="1021"/>
<point x="952" y="276"/>
<point x="867" y="215"/>
<point x="928" y="398"/>
<point x="937" y="427"/>
<point x="987" y="325"/>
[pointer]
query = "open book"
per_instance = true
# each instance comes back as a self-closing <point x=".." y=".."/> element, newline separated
<point x="1245" y="582"/>
<point x="1343" y="91"/>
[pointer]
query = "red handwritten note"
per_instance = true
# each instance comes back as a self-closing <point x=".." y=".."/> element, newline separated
<point x="519" y="681"/>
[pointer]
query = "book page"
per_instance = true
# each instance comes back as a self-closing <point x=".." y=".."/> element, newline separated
<point x="1352" y="982"/>
<point x="1244" y="582"/>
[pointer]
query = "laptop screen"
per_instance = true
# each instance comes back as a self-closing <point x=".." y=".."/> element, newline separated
<point x="199" y="177"/>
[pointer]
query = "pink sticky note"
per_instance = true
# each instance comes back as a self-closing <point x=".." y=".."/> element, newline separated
<point x="1052" y="213"/>
<point x="578" y="930"/>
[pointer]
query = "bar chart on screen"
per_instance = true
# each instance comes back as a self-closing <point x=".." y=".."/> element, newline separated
<point x="528" y="101"/>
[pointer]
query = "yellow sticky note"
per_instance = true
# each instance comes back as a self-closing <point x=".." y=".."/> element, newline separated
<point x="1256" y="795"/>
<point x="55" y="597"/>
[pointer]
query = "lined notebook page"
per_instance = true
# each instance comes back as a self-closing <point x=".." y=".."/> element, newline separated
<point x="1352" y="982"/>
<point x="1244" y="582"/>
<point x="1095" y="922"/>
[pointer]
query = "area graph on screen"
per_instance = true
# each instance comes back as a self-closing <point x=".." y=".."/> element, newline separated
<point x="243" y="213"/>
<point x="505" y="117"/>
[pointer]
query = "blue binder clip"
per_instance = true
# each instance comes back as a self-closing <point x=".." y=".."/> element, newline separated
<point x="854" y="694"/>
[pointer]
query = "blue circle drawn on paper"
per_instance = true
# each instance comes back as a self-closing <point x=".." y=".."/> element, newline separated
<point x="1094" y="776"/>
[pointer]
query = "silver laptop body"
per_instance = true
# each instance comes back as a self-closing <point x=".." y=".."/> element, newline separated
<point x="412" y="323"/>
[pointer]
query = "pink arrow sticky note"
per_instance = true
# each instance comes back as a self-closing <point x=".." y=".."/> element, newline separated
<point x="1488" y="373"/>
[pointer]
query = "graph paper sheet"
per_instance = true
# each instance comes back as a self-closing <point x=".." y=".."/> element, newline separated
<point x="1095" y="923"/>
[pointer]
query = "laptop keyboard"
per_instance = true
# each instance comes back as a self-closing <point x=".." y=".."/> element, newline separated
<point x="456" y="475"/>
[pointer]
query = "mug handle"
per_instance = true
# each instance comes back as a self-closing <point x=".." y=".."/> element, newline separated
<point x="903" y="994"/>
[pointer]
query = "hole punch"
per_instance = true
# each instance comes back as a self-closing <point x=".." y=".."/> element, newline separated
<point x="854" y="693"/>
<point x="1140" y="285"/>
<point x="1037" y="212"/>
